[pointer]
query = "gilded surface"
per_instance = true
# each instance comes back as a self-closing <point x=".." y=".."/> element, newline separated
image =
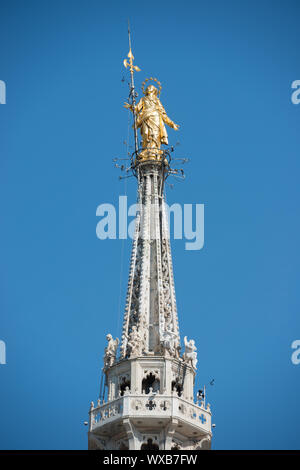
<point x="151" y="119"/>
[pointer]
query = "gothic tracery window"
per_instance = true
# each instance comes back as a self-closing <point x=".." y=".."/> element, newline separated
<point x="177" y="387"/>
<point x="150" y="381"/>
<point x="124" y="383"/>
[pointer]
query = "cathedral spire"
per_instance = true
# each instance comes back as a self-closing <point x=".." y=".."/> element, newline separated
<point x="150" y="319"/>
<point x="150" y="401"/>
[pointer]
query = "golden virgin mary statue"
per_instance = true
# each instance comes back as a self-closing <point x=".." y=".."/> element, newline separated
<point x="151" y="118"/>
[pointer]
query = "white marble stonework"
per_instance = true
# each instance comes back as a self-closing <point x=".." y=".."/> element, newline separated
<point x="150" y="383"/>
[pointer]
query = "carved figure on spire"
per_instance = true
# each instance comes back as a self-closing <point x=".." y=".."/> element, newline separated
<point x="110" y="351"/>
<point x="135" y="343"/>
<point x="170" y="343"/>
<point x="151" y="118"/>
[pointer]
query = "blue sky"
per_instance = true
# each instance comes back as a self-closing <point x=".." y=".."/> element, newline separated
<point x="226" y="70"/>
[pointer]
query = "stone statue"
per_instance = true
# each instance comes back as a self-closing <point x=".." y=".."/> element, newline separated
<point x="190" y="354"/>
<point x="151" y="118"/>
<point x="170" y="343"/>
<point x="135" y="343"/>
<point x="110" y="351"/>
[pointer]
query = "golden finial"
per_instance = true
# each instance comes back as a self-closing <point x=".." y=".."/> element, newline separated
<point x="130" y="56"/>
<point x="132" y="94"/>
<point x="130" y="63"/>
<point x="149" y="114"/>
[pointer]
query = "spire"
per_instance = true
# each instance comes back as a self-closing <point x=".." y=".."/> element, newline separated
<point x="150" y="319"/>
<point x="150" y="402"/>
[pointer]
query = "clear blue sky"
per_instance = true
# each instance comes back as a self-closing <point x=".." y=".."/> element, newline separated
<point x="226" y="69"/>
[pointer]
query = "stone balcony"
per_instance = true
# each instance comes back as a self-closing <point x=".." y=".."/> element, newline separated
<point x="145" y="407"/>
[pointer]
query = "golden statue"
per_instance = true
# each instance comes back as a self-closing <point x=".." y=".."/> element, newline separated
<point x="151" y="118"/>
<point x="149" y="114"/>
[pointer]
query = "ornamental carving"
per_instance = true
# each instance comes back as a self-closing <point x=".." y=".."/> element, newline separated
<point x="154" y="372"/>
<point x="136" y="405"/>
<point x="190" y="355"/>
<point x="110" y="351"/>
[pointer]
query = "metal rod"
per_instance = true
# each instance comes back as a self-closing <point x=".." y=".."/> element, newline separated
<point x="132" y="94"/>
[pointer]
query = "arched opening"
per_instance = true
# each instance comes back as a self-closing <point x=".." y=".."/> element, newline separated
<point x="150" y="382"/>
<point x="177" y="387"/>
<point x="123" y="446"/>
<point x="149" y="446"/>
<point x="124" y="383"/>
<point x="175" y="447"/>
<point x="204" y="444"/>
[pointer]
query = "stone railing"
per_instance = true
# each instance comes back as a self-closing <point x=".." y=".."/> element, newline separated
<point x="152" y="405"/>
<point x="105" y="411"/>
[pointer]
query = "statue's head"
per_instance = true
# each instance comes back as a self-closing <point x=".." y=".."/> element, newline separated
<point x="108" y="337"/>
<point x="151" y="90"/>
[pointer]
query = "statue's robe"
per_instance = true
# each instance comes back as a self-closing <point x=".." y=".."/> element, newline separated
<point x="151" y="117"/>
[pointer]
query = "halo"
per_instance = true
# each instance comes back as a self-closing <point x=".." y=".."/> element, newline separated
<point x="153" y="80"/>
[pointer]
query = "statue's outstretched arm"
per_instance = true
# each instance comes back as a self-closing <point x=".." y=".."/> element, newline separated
<point x="166" y="118"/>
